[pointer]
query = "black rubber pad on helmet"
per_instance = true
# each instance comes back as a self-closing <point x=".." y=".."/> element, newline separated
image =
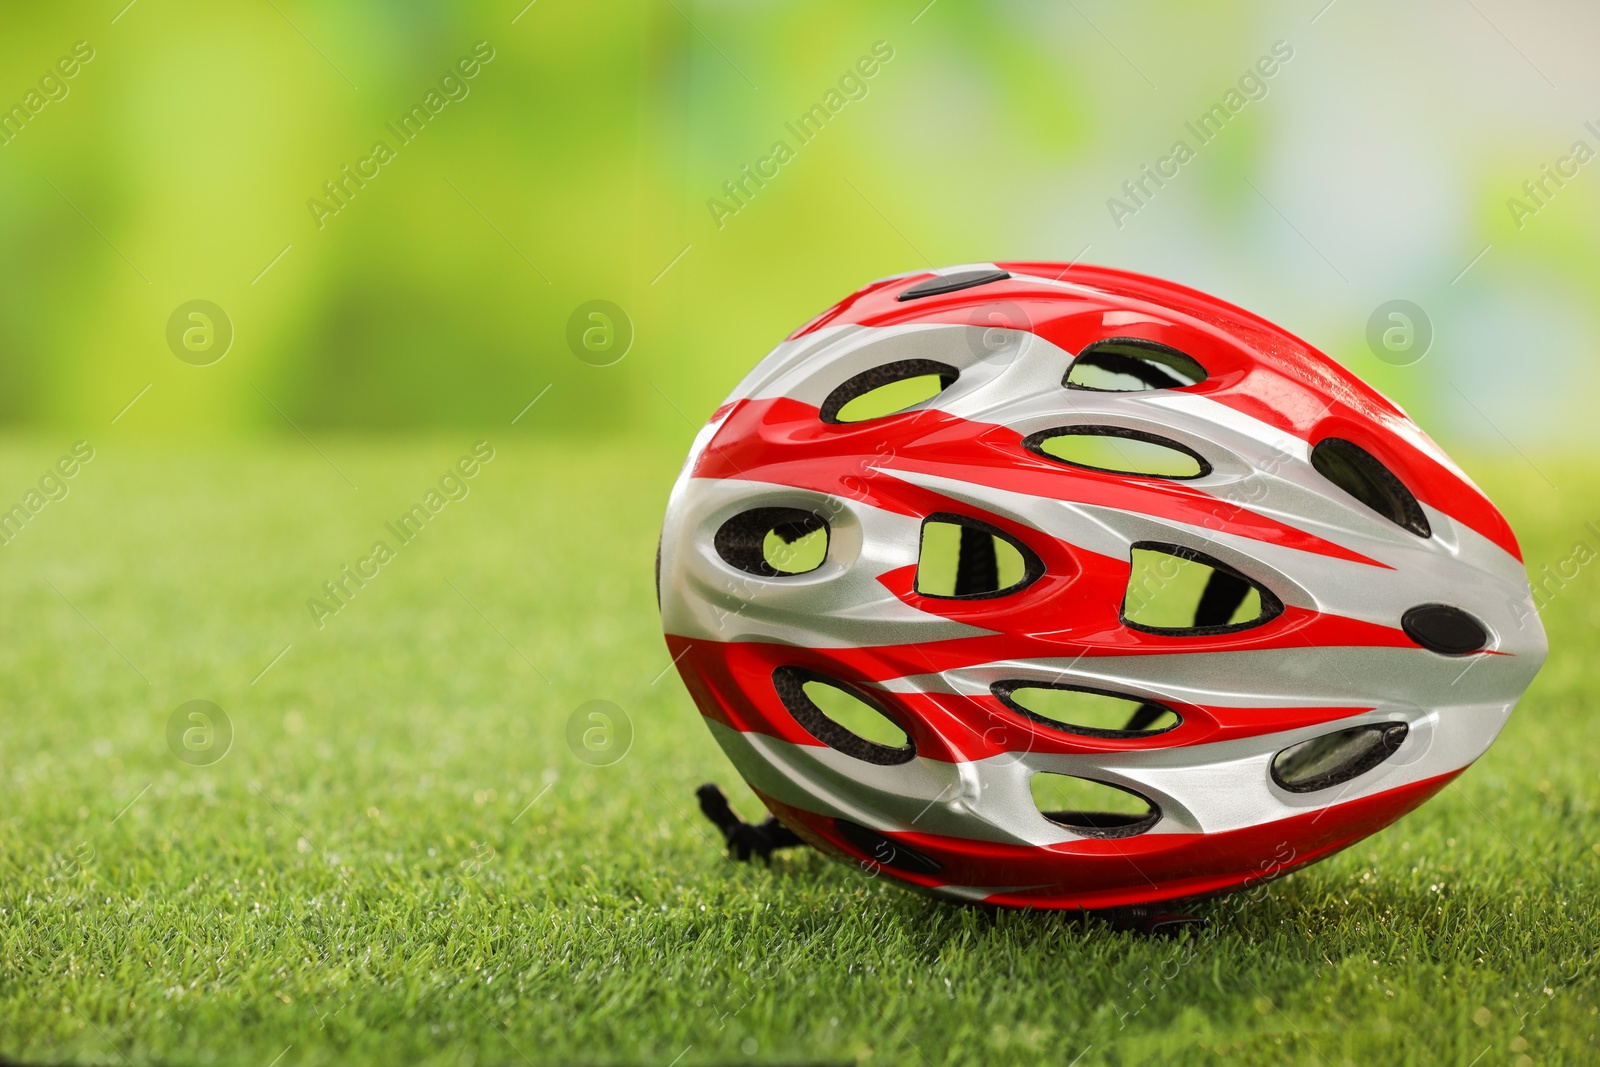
<point x="950" y="283"/>
<point x="1443" y="629"/>
<point x="885" y="850"/>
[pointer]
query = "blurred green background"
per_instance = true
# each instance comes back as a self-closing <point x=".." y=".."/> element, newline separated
<point x="380" y="759"/>
<point x="179" y="164"/>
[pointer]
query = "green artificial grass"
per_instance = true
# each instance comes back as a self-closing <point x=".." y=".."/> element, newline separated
<point x="401" y="860"/>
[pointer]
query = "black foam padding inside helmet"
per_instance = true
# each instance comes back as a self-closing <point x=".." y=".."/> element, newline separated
<point x="1108" y="824"/>
<point x="1225" y="590"/>
<point x="1362" y="475"/>
<point x="877" y="377"/>
<point x="977" y="563"/>
<point x="1332" y="759"/>
<point x="790" y="682"/>
<point x="1138" y="723"/>
<point x="742" y="539"/>
<point x="1156" y="365"/>
<point x="1035" y="443"/>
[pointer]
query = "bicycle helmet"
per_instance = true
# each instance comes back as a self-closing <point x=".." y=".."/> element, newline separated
<point x="1064" y="587"/>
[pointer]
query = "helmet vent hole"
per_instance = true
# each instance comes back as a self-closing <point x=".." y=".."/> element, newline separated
<point x="961" y="557"/>
<point x="1176" y="590"/>
<point x="843" y="717"/>
<point x="1094" y="809"/>
<point x="1127" y="364"/>
<point x="774" y="542"/>
<point x="1362" y="475"/>
<point x="1118" y="451"/>
<point x="887" y="390"/>
<point x="1086" y="711"/>
<point x="1338" y="757"/>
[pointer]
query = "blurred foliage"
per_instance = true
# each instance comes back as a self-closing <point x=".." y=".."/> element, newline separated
<point x="180" y="162"/>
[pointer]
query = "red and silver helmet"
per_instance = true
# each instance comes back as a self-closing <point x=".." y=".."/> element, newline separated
<point x="1067" y="587"/>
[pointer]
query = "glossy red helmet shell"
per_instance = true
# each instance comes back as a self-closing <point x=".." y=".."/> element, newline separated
<point x="1388" y="629"/>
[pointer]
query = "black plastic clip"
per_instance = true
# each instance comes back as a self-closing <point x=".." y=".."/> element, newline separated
<point x="744" y="838"/>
